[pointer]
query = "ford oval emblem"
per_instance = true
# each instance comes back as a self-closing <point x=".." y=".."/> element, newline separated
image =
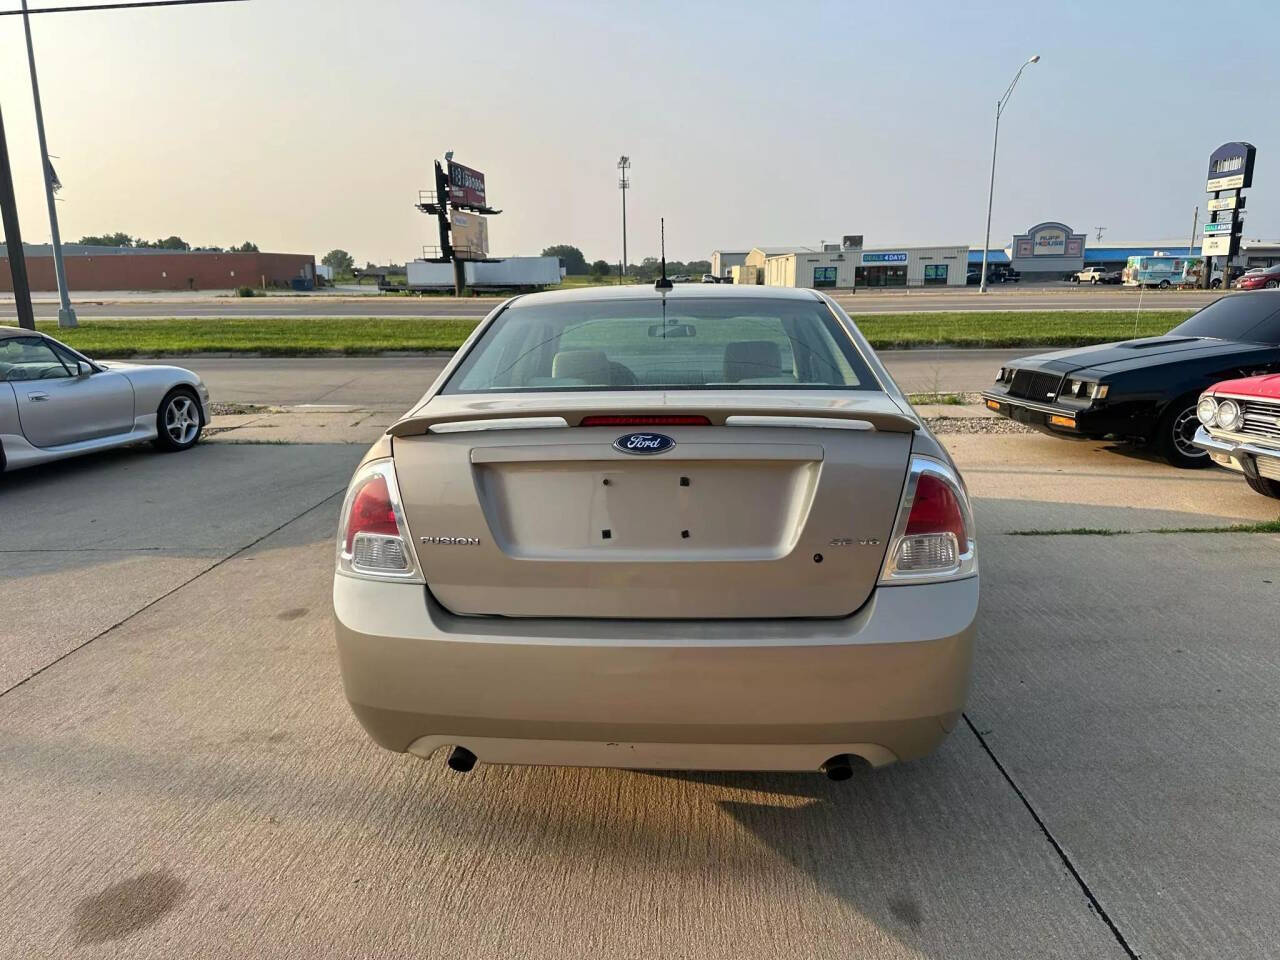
<point x="644" y="443"/>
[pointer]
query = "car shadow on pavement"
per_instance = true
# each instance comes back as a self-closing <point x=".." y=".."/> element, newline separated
<point x="913" y="848"/>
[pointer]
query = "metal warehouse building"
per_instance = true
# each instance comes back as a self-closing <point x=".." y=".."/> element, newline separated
<point x="838" y="267"/>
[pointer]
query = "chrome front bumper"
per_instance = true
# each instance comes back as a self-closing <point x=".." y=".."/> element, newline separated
<point x="1240" y="455"/>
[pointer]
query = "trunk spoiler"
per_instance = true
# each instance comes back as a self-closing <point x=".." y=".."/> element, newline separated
<point x="870" y="409"/>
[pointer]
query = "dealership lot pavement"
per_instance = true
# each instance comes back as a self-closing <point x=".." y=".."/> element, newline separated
<point x="179" y="775"/>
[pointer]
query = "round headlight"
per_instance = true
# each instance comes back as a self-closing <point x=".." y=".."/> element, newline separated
<point x="1207" y="410"/>
<point x="1228" y="415"/>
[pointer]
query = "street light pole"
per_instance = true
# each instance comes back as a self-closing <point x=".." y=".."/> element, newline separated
<point x="66" y="315"/>
<point x="995" y="142"/>
<point x="624" y="164"/>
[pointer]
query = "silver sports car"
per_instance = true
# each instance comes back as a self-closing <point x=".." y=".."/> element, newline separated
<point x="55" y="402"/>
<point x="682" y="529"/>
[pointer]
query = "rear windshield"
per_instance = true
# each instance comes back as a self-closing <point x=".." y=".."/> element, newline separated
<point x="1250" y="317"/>
<point x="655" y="344"/>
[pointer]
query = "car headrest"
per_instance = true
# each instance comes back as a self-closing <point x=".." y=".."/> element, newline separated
<point x="751" y="359"/>
<point x="589" y="366"/>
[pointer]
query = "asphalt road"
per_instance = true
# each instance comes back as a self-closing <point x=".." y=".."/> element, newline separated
<point x="1050" y="297"/>
<point x="396" y="382"/>
<point x="179" y="775"/>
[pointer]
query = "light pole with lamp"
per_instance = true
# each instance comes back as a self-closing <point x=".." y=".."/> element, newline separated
<point x="624" y="164"/>
<point x="991" y="192"/>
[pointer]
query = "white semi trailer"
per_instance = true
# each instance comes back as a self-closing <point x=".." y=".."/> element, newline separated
<point x="486" y="274"/>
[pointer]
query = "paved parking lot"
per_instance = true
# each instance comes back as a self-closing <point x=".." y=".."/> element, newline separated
<point x="179" y="774"/>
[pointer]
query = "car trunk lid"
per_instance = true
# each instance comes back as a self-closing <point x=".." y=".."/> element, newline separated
<point x="775" y="509"/>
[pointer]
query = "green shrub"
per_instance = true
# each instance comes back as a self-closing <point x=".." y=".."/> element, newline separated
<point x="244" y="291"/>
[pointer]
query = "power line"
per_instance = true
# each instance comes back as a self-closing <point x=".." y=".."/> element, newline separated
<point x="127" y="5"/>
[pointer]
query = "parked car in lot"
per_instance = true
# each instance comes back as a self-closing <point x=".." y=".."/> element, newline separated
<point x="996" y="273"/>
<point x="1144" y="390"/>
<point x="1267" y="278"/>
<point x="1240" y="429"/>
<point x="699" y="529"/>
<point x="55" y="402"/>
<point x="1095" y="275"/>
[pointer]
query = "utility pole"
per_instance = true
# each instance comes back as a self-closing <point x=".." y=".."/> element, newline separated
<point x="66" y="315"/>
<point x="1195" y="222"/>
<point x="13" y="238"/>
<point x="624" y="164"/>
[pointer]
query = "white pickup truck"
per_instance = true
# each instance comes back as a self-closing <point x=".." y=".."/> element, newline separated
<point x="1095" y="275"/>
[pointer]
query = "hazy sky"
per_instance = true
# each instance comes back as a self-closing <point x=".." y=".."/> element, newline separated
<point x="308" y="125"/>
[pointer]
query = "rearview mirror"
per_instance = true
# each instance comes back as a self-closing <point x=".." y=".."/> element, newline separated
<point x="83" y="369"/>
<point x="672" y="330"/>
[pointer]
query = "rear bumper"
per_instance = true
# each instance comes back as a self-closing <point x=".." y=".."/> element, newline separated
<point x="887" y="683"/>
<point x="1242" y="456"/>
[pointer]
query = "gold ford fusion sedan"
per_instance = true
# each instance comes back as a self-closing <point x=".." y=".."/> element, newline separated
<point x="681" y="529"/>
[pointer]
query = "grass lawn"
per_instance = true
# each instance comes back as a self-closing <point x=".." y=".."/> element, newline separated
<point x="271" y="336"/>
<point x="610" y="280"/>
<point x="303" y="336"/>
<point x="1012" y="329"/>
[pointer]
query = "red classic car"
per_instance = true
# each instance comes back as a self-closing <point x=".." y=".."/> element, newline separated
<point x="1240" y="429"/>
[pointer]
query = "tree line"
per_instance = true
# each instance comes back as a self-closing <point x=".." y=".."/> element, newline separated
<point x="168" y="243"/>
<point x="575" y="265"/>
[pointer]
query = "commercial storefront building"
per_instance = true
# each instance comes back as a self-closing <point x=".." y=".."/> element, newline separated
<point x="846" y="268"/>
<point x="723" y="261"/>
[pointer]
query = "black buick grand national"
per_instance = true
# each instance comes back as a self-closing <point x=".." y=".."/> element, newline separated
<point x="1144" y="390"/>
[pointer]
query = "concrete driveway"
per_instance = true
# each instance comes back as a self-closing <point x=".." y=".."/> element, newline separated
<point x="180" y="776"/>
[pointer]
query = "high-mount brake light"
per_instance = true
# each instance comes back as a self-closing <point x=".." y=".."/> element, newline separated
<point x="373" y="538"/>
<point x="662" y="420"/>
<point x="933" y="537"/>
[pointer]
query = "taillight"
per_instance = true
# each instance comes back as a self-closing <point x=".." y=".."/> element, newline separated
<point x="371" y="511"/>
<point x="373" y="538"/>
<point x="933" y="536"/>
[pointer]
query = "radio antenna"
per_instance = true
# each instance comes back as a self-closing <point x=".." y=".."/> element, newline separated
<point x="663" y="283"/>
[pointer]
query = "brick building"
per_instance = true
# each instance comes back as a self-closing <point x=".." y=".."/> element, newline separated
<point x="129" y="268"/>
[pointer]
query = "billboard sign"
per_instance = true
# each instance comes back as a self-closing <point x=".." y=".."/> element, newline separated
<point x="1231" y="167"/>
<point x="470" y="235"/>
<point x="466" y="186"/>
<point x="1218" y="245"/>
<point x="1225" y="203"/>
<point x="1224" y="226"/>
<point x="896" y="257"/>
